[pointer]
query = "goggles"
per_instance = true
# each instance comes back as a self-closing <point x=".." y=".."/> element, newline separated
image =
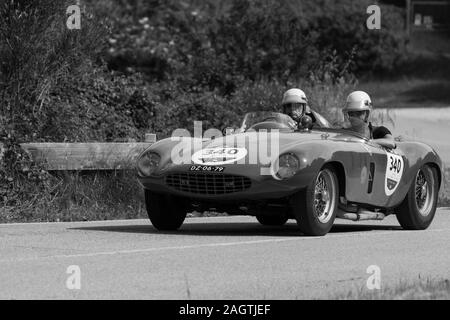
<point x="295" y="107"/>
<point x="356" y="113"/>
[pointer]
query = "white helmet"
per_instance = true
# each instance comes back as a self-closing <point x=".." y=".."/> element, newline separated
<point x="358" y="101"/>
<point x="294" y="96"/>
<point x="295" y="104"/>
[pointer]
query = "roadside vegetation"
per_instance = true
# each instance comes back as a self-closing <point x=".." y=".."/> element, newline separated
<point x="444" y="194"/>
<point x="420" y="289"/>
<point x="154" y="66"/>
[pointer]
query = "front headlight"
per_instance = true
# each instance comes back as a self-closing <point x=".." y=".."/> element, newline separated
<point x="148" y="163"/>
<point x="288" y="165"/>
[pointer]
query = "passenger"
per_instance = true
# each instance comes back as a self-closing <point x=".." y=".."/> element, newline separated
<point x="357" y="111"/>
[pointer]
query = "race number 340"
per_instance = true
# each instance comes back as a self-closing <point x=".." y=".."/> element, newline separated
<point x="394" y="171"/>
<point x="395" y="164"/>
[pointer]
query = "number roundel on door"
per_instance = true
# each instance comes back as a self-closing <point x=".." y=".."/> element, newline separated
<point x="394" y="172"/>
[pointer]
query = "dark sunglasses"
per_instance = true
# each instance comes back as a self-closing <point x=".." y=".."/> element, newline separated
<point x="356" y="113"/>
<point x="295" y="105"/>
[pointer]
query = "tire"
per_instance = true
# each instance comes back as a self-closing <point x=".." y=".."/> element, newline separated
<point x="419" y="207"/>
<point x="165" y="212"/>
<point x="314" y="209"/>
<point x="272" y="220"/>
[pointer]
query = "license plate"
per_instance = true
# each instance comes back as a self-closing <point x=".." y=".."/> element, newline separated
<point x="207" y="169"/>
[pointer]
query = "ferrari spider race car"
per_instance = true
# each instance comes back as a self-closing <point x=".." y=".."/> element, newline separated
<point x="275" y="171"/>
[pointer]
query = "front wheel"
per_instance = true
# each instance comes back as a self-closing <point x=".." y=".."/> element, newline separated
<point x="165" y="212"/>
<point x="419" y="207"/>
<point x="315" y="208"/>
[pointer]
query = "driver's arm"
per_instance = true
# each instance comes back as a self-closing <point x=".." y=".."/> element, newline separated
<point x="387" y="141"/>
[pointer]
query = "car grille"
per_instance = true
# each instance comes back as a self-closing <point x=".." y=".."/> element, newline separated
<point x="201" y="183"/>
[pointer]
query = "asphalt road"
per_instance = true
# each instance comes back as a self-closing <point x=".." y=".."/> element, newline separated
<point x="214" y="258"/>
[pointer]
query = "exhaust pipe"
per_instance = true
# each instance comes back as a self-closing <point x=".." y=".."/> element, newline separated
<point x="360" y="215"/>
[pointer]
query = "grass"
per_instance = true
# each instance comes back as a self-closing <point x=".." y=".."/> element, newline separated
<point x="87" y="196"/>
<point x="419" y="289"/>
<point x="444" y="193"/>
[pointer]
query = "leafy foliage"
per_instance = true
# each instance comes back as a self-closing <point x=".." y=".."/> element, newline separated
<point x="22" y="183"/>
<point x="36" y="52"/>
<point x="175" y="58"/>
<point x="211" y="42"/>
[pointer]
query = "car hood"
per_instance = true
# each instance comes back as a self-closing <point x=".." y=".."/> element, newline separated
<point x="267" y="145"/>
<point x="285" y="139"/>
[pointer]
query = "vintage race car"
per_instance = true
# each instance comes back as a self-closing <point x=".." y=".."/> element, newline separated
<point x="274" y="170"/>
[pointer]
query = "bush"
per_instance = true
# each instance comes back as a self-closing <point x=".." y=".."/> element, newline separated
<point x="327" y="86"/>
<point x="174" y="57"/>
<point x="101" y="106"/>
<point x="37" y="53"/>
<point x="54" y="85"/>
<point x="22" y="183"/>
<point x="218" y="112"/>
<point x="211" y="43"/>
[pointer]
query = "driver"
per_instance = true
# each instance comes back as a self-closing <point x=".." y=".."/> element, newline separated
<point x="295" y="104"/>
<point x="357" y="111"/>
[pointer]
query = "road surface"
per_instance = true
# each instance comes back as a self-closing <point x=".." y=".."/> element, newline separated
<point x="213" y="258"/>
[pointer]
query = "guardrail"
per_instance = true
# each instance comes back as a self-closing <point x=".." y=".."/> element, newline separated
<point x="88" y="156"/>
<point x="85" y="156"/>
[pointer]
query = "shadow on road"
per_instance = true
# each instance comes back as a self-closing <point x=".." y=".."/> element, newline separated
<point x="235" y="229"/>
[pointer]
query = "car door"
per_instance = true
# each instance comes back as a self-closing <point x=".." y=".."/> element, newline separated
<point x="385" y="171"/>
<point x="373" y="172"/>
<point x="361" y="160"/>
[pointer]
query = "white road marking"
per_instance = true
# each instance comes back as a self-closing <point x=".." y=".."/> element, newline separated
<point x="61" y="223"/>
<point x="218" y="244"/>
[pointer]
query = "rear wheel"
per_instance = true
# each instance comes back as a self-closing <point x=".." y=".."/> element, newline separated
<point x="315" y="208"/>
<point x="273" y="220"/>
<point x="166" y="212"/>
<point x="419" y="207"/>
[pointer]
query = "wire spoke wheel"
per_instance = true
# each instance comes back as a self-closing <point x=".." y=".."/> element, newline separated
<point x="315" y="207"/>
<point x="418" y="209"/>
<point x="324" y="196"/>
<point x="424" y="192"/>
